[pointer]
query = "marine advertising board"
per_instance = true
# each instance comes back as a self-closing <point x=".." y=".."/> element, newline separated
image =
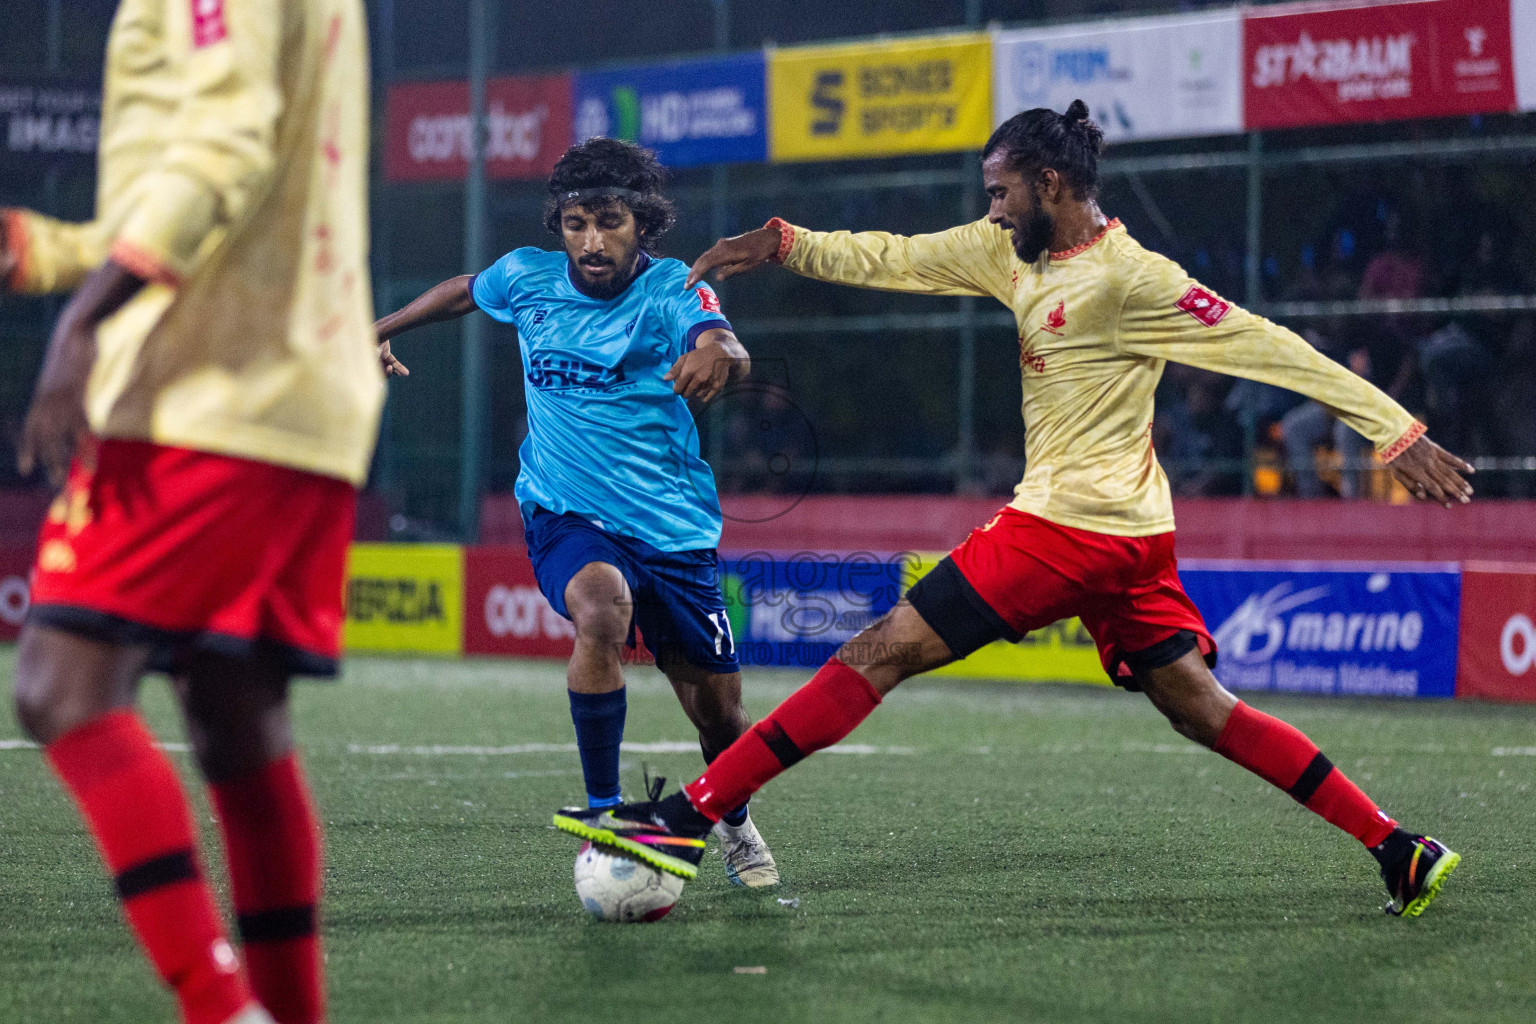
<point x="1388" y="630"/>
<point x="405" y="599"/>
<point x="694" y="112"/>
<point x="1376" y="62"/>
<point x="1498" y="633"/>
<point x="426" y="125"/>
<point x="869" y="99"/>
<point x="1142" y="78"/>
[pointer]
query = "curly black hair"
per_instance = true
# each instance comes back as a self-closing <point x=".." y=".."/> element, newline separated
<point x="1069" y="143"/>
<point x="600" y="162"/>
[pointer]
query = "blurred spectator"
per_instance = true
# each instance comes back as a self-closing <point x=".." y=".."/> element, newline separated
<point x="1458" y="377"/>
<point x="1515" y="404"/>
<point x="1490" y="271"/>
<point x="1200" y="446"/>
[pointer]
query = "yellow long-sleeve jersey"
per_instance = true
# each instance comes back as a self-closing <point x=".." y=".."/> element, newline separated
<point x="232" y="174"/>
<point x="1096" y="325"/>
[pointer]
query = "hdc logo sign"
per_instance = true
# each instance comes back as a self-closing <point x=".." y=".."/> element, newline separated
<point x="1498" y="633"/>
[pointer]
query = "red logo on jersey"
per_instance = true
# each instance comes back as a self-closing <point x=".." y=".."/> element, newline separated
<point x="208" y="23"/>
<point x="709" y="301"/>
<point x="1204" y="306"/>
<point x="1028" y="360"/>
<point x="1056" y="319"/>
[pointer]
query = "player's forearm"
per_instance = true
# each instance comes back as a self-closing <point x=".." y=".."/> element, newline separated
<point x="447" y="301"/>
<point x="44" y="255"/>
<point x="946" y="263"/>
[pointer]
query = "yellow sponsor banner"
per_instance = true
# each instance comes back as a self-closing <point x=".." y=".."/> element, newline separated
<point x="930" y="95"/>
<point x="405" y="599"/>
<point x="1062" y="652"/>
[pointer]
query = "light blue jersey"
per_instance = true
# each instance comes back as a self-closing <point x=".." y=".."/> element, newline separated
<point x="607" y="438"/>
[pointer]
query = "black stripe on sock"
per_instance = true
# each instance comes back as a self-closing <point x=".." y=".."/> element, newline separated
<point x="782" y="746"/>
<point x="1310" y="779"/>
<point x="277" y="925"/>
<point x="145" y="876"/>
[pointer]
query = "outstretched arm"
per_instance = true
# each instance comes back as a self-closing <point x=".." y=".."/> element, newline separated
<point x="1168" y="316"/>
<point x="447" y="301"/>
<point x="971" y="259"/>
<point x="40" y="255"/>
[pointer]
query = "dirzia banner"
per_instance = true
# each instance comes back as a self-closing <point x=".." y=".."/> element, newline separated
<point x="1388" y="630"/>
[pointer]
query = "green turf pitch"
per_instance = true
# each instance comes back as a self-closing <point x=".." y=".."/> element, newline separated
<point x="994" y="853"/>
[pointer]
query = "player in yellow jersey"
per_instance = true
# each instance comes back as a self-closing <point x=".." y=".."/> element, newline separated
<point x="209" y="400"/>
<point x="1089" y="532"/>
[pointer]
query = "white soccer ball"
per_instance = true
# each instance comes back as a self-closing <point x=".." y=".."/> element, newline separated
<point x="614" y="887"/>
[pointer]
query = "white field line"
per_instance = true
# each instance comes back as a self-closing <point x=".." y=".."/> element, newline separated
<point x="175" y="748"/>
<point x="659" y="747"/>
<point x="1514" y="751"/>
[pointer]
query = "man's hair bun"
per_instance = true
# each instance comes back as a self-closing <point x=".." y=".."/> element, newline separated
<point x="1077" y="111"/>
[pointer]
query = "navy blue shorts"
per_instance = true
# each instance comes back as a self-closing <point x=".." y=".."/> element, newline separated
<point x="678" y="606"/>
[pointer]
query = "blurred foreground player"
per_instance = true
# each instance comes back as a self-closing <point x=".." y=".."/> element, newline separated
<point x="620" y="511"/>
<point x="215" y="383"/>
<point x="1090" y="530"/>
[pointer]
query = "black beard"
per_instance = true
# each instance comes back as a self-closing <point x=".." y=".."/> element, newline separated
<point x="1036" y="236"/>
<point x="610" y="288"/>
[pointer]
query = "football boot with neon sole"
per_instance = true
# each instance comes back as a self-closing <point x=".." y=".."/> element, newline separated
<point x="666" y="834"/>
<point x="748" y="861"/>
<point x="1415" y="878"/>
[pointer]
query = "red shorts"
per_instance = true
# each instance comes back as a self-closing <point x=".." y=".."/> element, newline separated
<point x="1030" y="572"/>
<point x="185" y="550"/>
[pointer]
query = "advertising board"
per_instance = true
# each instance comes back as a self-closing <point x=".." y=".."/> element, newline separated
<point x="1142" y="78"/>
<point x="44" y="122"/>
<point x="1388" y="630"/>
<point x="1497" y="660"/>
<point x="405" y="599"/>
<point x="1376" y="62"/>
<point x="504" y="612"/>
<point x="930" y="95"/>
<point x="426" y="126"/>
<point x="709" y="111"/>
<point x="15" y="570"/>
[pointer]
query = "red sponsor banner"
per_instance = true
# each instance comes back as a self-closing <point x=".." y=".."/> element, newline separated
<point x="1497" y="659"/>
<point x="1430" y="58"/>
<point x="15" y="569"/>
<point x="504" y="612"/>
<point x="427" y="128"/>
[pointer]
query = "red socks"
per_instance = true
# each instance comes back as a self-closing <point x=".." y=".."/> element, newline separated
<point x="133" y="802"/>
<point x="273" y="843"/>
<point x="814" y="717"/>
<point x="1282" y="756"/>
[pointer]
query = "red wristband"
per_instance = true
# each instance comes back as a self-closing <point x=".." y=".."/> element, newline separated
<point x="1402" y="444"/>
<point x="786" y="238"/>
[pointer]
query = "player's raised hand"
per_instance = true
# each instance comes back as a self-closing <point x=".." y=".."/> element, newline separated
<point x="392" y="366"/>
<point x="737" y="255"/>
<point x="1433" y="474"/>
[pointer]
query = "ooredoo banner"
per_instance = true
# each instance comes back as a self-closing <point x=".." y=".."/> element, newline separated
<point x="504" y="612"/>
<point x="15" y="569"/>
<point x="405" y="598"/>
<point x="710" y="111"/>
<point x="931" y="95"/>
<point x="1376" y="62"/>
<point x="1143" y="78"/>
<point x="528" y="122"/>
<point x="1498" y="633"/>
<point x="1387" y="630"/>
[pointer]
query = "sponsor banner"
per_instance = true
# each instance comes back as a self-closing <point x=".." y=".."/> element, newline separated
<point x="1353" y="630"/>
<point x="1498" y="633"/>
<point x="1522" y="17"/>
<point x="797" y="610"/>
<point x="929" y="95"/>
<point x="1143" y="78"/>
<point x="44" y="123"/>
<point x="1430" y="58"/>
<point x="426" y="128"/>
<point x="504" y="612"/>
<point x="15" y="571"/>
<point x="405" y="599"/>
<point x="711" y="111"/>
<point x="1060" y="653"/>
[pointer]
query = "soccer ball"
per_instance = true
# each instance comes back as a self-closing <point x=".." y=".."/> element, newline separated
<point x="614" y="887"/>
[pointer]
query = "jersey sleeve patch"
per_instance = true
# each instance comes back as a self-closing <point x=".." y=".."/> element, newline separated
<point x="208" y="25"/>
<point x="708" y="300"/>
<point x="1204" y="306"/>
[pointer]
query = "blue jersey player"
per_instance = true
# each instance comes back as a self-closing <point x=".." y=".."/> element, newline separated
<point x="620" y="512"/>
